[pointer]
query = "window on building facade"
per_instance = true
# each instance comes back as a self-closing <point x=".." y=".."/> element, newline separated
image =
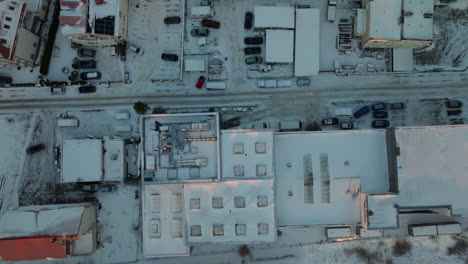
<point x="218" y="230"/>
<point x="239" y="202"/>
<point x="217" y="202"/>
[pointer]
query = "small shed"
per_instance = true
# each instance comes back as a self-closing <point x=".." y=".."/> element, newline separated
<point x="194" y="65"/>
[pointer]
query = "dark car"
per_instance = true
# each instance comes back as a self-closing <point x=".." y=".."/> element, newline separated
<point x="379" y="106"/>
<point x="210" y="23"/>
<point x="253" y="40"/>
<point x="84" y="64"/>
<point x="35" y="148"/>
<point x="248" y="20"/>
<point x="347" y="125"/>
<point x="87" y="89"/>
<point x="233" y="122"/>
<point x="169" y="57"/>
<point x="91" y="75"/>
<point x="84" y="52"/>
<point x="172" y="20"/>
<point x="380" y="123"/>
<point x="5" y="80"/>
<point x="397" y="106"/>
<point x="330" y="121"/>
<point x="200" y="32"/>
<point x="454" y="112"/>
<point x="454" y="104"/>
<point x="253" y="60"/>
<point x="380" y="114"/>
<point x="200" y="82"/>
<point x="252" y="50"/>
<point x="108" y="188"/>
<point x="361" y="112"/>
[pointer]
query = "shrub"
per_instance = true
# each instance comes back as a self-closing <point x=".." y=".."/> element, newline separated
<point x="364" y="255"/>
<point x="140" y="108"/>
<point x="459" y="248"/>
<point x="401" y="248"/>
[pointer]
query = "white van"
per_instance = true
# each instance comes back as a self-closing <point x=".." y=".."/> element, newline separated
<point x="290" y="125"/>
<point x="216" y="85"/>
<point x="123" y="128"/>
<point x="331" y="11"/>
<point x="122" y="116"/>
<point x="68" y="122"/>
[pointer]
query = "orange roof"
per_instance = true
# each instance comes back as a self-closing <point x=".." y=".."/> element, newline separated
<point x="36" y="248"/>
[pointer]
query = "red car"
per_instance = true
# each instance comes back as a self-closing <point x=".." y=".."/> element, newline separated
<point x="200" y="82"/>
<point x="210" y="23"/>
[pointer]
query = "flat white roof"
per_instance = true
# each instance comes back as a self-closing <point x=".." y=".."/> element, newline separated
<point x="274" y="17"/>
<point x="350" y="159"/>
<point x="114" y="160"/>
<point x="382" y="211"/>
<point x="383" y="19"/>
<point x="248" y="152"/>
<point x="194" y="65"/>
<point x="279" y="46"/>
<point x="163" y="217"/>
<point x="403" y="60"/>
<point x="431" y="167"/>
<point x="254" y="219"/>
<point x="82" y="160"/>
<point x="417" y="26"/>
<point x="307" y="49"/>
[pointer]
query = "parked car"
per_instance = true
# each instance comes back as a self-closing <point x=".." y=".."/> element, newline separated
<point x="91" y="75"/>
<point x="454" y="104"/>
<point x="248" y="20"/>
<point x="84" y="64"/>
<point x="379" y="106"/>
<point x="200" y="82"/>
<point x="172" y="20"/>
<point x="210" y="23"/>
<point x="330" y="121"/>
<point x="303" y="82"/>
<point x="253" y="60"/>
<point x="252" y="50"/>
<point x="347" y="125"/>
<point x="169" y="57"/>
<point x="85" y="52"/>
<point x="454" y="112"/>
<point x="253" y="40"/>
<point x="87" y="89"/>
<point x="206" y="3"/>
<point x="5" y="80"/>
<point x="35" y="148"/>
<point x="57" y="90"/>
<point x="200" y="32"/>
<point x="94" y="187"/>
<point x="260" y="125"/>
<point x="380" y="114"/>
<point x="108" y="188"/>
<point x="397" y="106"/>
<point x="361" y="112"/>
<point x="135" y="49"/>
<point x="380" y="123"/>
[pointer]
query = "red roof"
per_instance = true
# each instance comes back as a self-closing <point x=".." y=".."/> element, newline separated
<point x="20" y="249"/>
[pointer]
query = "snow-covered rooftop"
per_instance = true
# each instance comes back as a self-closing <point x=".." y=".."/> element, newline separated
<point x="114" y="160"/>
<point x="247" y="154"/>
<point x="383" y="19"/>
<point x="318" y="174"/>
<point x="237" y="211"/>
<point x="82" y="160"/>
<point x="274" y="17"/>
<point x="164" y="232"/>
<point x="416" y="26"/>
<point x="279" y="46"/>
<point x="307" y="52"/>
<point x="382" y="212"/>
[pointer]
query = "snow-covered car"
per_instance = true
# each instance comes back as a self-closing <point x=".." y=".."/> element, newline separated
<point x="91" y="75"/>
<point x="253" y="60"/>
<point x="135" y="49"/>
<point x="347" y="125"/>
<point x="380" y="123"/>
<point x="57" y="90"/>
<point x="84" y="52"/>
<point x="200" y="32"/>
<point x="260" y="125"/>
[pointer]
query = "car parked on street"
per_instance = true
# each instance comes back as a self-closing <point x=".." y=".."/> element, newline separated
<point x="253" y="60"/>
<point x="172" y="20"/>
<point x="108" y="188"/>
<point x="85" y="52"/>
<point x="380" y="114"/>
<point x="84" y="64"/>
<point x="397" y="106"/>
<point x="206" y="3"/>
<point x="169" y="57"/>
<point x="330" y="121"/>
<point x="210" y="23"/>
<point x="135" y="49"/>
<point x="453" y="104"/>
<point x="93" y="187"/>
<point x="361" y="112"/>
<point x="253" y="40"/>
<point x="379" y="106"/>
<point x="380" y="123"/>
<point x="57" y="90"/>
<point x="252" y="50"/>
<point x="248" y="20"/>
<point x="454" y="112"/>
<point x="5" y="80"/>
<point x="35" y="148"/>
<point x="200" y="32"/>
<point x="347" y="125"/>
<point x="87" y="89"/>
<point x="91" y="75"/>
<point x="200" y="82"/>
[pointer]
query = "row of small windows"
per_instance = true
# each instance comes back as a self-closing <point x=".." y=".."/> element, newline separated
<point x="261" y="170"/>
<point x="238" y="148"/>
<point x="239" y="202"/>
<point x="218" y="230"/>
